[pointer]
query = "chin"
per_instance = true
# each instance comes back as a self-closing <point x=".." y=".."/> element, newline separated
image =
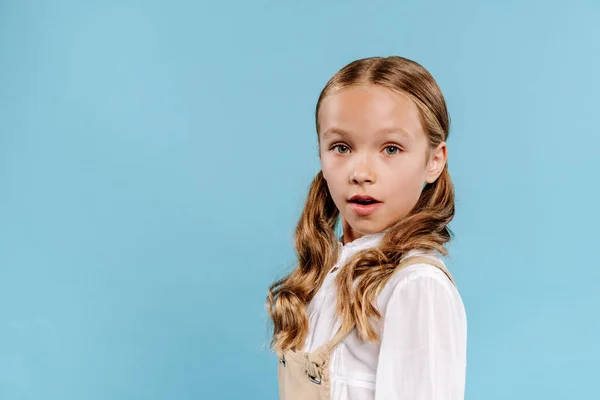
<point x="365" y="227"/>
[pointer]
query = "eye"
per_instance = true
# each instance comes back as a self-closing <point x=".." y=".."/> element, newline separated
<point x="340" y="146"/>
<point x="394" y="147"/>
<point x="344" y="149"/>
<point x="398" y="149"/>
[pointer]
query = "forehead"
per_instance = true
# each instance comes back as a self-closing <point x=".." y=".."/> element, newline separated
<point x="366" y="109"/>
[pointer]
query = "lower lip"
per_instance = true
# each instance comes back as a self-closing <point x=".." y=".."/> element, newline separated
<point x="366" y="209"/>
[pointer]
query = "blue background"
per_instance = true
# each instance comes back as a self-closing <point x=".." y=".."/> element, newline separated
<point x="155" y="157"/>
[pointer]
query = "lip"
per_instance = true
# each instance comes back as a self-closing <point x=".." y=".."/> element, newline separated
<point x="366" y="209"/>
<point x="362" y="197"/>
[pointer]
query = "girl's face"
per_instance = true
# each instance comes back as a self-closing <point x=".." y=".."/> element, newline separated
<point x="371" y="142"/>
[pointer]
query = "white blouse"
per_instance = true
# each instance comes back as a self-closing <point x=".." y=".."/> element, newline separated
<point x="423" y="346"/>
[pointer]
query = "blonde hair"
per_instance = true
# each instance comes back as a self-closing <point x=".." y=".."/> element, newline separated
<point x="363" y="276"/>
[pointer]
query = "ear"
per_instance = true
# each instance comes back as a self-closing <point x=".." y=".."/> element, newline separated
<point x="437" y="162"/>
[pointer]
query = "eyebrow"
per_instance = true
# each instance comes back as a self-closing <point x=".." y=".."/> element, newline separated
<point x="385" y="131"/>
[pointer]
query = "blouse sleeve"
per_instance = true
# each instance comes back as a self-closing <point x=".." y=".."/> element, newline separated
<point x="423" y="342"/>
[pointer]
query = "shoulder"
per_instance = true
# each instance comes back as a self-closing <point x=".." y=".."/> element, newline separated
<point x="421" y="279"/>
<point x="422" y="270"/>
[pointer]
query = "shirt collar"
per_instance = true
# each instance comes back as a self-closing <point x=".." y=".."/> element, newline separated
<point x="365" y="241"/>
<point x="369" y="241"/>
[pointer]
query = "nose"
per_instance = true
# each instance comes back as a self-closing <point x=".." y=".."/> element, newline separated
<point x="361" y="170"/>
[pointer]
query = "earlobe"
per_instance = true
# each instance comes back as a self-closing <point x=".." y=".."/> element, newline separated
<point x="435" y="171"/>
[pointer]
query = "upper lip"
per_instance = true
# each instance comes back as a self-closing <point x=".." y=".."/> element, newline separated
<point x="362" y="197"/>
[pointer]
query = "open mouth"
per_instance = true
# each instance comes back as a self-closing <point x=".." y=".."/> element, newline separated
<point x="364" y="202"/>
<point x="364" y="207"/>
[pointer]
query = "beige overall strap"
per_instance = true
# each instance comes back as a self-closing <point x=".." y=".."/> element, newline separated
<point x="340" y="336"/>
<point x="427" y="260"/>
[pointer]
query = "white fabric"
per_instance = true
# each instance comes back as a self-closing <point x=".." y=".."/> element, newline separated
<point x="423" y="331"/>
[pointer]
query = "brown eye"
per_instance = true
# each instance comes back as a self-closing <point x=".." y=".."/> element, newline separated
<point x="340" y="146"/>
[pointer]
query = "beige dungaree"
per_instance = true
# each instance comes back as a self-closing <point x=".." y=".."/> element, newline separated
<point x="305" y="376"/>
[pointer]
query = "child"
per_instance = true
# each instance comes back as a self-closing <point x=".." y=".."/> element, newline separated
<point x="375" y="314"/>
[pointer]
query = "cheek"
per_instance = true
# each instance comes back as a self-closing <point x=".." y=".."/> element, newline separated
<point x="330" y="172"/>
<point x="327" y="174"/>
<point x="407" y="189"/>
<point x="329" y="179"/>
